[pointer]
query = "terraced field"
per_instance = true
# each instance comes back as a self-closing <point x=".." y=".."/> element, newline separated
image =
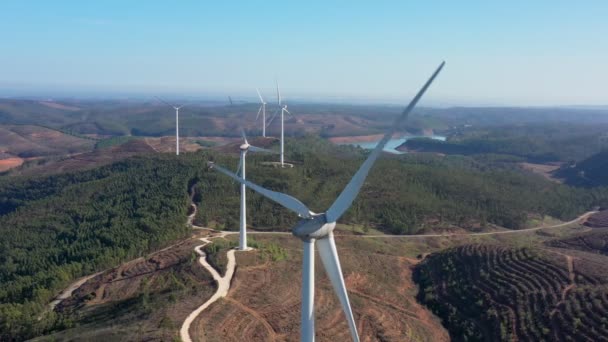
<point x="595" y="241"/>
<point x="145" y="299"/>
<point x="491" y="293"/>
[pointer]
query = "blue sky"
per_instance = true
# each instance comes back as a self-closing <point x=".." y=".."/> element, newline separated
<point x="497" y="52"/>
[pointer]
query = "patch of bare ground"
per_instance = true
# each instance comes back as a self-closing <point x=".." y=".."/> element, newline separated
<point x="31" y="141"/>
<point x="166" y="144"/>
<point x="57" y="105"/>
<point x="9" y="163"/>
<point x="145" y="299"/>
<point x="263" y="303"/>
<point x="545" y="170"/>
<point x="89" y="160"/>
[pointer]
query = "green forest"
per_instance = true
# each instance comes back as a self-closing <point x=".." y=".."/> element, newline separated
<point x="59" y="228"/>
<point x="403" y="194"/>
<point x="546" y="142"/>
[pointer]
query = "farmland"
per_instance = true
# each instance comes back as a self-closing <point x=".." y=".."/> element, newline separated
<point x="492" y="292"/>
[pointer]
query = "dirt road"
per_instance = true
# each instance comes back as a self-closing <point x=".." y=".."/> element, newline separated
<point x="223" y="285"/>
<point x="585" y="215"/>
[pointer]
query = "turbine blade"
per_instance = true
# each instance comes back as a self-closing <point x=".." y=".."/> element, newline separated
<point x="165" y="102"/>
<point x="259" y="149"/>
<point x="331" y="262"/>
<point x="278" y="92"/>
<point x="244" y="136"/>
<point x="258" y="116"/>
<point x="285" y="200"/>
<point x="238" y="169"/>
<point x="260" y="95"/>
<point x="230" y="99"/>
<point x="350" y="192"/>
<point x="273" y="116"/>
<point x="288" y="112"/>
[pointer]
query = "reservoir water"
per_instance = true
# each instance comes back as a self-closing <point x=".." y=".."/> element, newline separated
<point x="393" y="143"/>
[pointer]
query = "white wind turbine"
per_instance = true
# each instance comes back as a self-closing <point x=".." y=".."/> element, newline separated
<point x="263" y="111"/>
<point x="283" y="109"/>
<point x="319" y="227"/>
<point x="177" y="108"/>
<point x="245" y="147"/>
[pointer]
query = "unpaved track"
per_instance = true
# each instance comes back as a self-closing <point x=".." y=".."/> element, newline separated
<point x="585" y="215"/>
<point x="69" y="290"/>
<point x="571" y="276"/>
<point x="223" y="285"/>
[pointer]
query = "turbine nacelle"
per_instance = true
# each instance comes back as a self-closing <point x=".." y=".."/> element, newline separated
<point x="315" y="227"/>
<point x="244" y="147"/>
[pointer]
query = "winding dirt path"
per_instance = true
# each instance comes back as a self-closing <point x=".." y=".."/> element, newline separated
<point x="223" y="285"/>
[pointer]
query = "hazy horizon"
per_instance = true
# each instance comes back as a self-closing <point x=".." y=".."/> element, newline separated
<point x="513" y="54"/>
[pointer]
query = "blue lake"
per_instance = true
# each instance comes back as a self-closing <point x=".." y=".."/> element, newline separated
<point x="393" y="143"/>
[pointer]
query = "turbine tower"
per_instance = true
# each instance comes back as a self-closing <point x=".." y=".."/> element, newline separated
<point x="283" y="109"/>
<point x="177" y="108"/>
<point x="245" y="147"/>
<point x="318" y="228"/>
<point x="263" y="111"/>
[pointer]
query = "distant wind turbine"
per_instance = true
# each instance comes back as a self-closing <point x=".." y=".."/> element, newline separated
<point x="245" y="147"/>
<point x="319" y="227"/>
<point x="177" y="108"/>
<point x="283" y="109"/>
<point x="263" y="111"/>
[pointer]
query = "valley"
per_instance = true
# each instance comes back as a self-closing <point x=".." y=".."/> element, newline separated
<point x="144" y="265"/>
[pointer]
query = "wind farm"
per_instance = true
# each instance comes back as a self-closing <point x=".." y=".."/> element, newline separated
<point x="326" y="177"/>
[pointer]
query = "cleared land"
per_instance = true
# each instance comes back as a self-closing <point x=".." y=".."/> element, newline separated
<point x="9" y="163"/>
<point x="598" y="220"/>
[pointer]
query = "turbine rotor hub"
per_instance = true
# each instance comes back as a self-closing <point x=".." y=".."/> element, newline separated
<point x="316" y="227"/>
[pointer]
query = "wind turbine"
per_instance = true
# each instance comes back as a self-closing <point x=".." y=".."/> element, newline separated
<point x="245" y="147"/>
<point x="283" y="109"/>
<point x="319" y="228"/>
<point x="263" y="111"/>
<point x="177" y="108"/>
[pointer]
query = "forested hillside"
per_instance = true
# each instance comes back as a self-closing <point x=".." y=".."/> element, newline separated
<point x="403" y="194"/>
<point x="539" y="143"/>
<point x="590" y="172"/>
<point x="58" y="228"/>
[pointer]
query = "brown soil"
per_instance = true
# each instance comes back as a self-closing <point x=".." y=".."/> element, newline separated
<point x="111" y="303"/>
<point x="545" y="170"/>
<point x="59" y="106"/>
<point x="27" y="140"/>
<point x="166" y="144"/>
<point x="88" y="160"/>
<point x="9" y="163"/>
<point x="264" y="301"/>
